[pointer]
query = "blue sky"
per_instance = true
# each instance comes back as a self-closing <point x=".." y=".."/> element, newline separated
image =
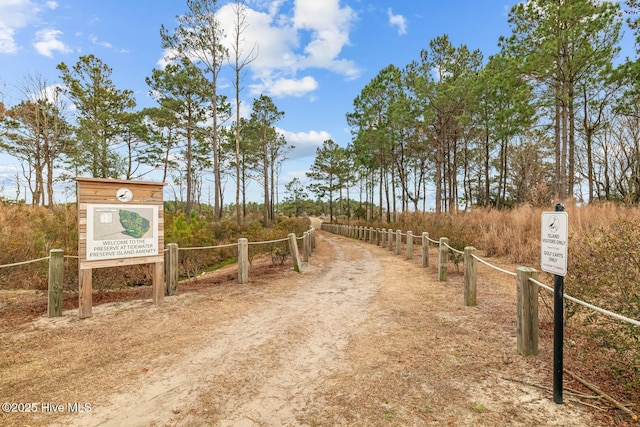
<point x="314" y="56"/>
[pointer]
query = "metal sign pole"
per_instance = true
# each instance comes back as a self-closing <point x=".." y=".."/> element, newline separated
<point x="558" y="336"/>
<point x="558" y="330"/>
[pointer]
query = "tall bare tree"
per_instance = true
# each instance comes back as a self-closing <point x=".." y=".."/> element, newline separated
<point x="239" y="59"/>
<point x="36" y="132"/>
<point x="199" y="37"/>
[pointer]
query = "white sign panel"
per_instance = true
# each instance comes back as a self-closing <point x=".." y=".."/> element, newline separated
<point x="554" y="242"/>
<point x="121" y="231"/>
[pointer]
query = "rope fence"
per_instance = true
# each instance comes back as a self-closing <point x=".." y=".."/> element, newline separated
<point x="268" y="241"/>
<point x="208" y="247"/>
<point x="171" y="259"/>
<point x="526" y="278"/>
<point x="454" y="250"/>
<point x="15" y="264"/>
<point x="591" y="306"/>
<point x="511" y="273"/>
<point x="387" y="238"/>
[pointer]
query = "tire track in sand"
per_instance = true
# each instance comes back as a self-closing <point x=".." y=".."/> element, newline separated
<point x="263" y="367"/>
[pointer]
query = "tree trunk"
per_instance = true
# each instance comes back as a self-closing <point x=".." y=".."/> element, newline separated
<point x="265" y="171"/>
<point x="572" y="141"/>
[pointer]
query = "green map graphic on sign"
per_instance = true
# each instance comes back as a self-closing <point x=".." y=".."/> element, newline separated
<point x="135" y="225"/>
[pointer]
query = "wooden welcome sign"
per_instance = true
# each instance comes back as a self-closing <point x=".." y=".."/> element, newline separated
<point x="119" y="223"/>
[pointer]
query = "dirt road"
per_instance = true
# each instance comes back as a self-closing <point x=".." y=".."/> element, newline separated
<point x="362" y="337"/>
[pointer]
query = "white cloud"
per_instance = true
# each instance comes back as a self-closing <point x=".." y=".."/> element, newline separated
<point x="7" y="43"/>
<point x="51" y="93"/>
<point x="305" y="142"/>
<point x="300" y="174"/>
<point x="97" y="42"/>
<point x="329" y="25"/>
<point x="18" y="14"/>
<point x="14" y="15"/>
<point x="273" y="41"/>
<point x="276" y="32"/>
<point x="397" y="21"/>
<point x="286" y="87"/>
<point x="7" y="179"/>
<point x="47" y="42"/>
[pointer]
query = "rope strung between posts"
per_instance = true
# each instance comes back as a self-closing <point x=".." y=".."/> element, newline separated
<point x="269" y="241"/>
<point x="36" y="260"/>
<point x="547" y="288"/>
<point x="542" y="285"/>
<point x="591" y="306"/>
<point x="493" y="266"/>
<point x="432" y="241"/>
<point x="454" y="250"/>
<point x="24" y="262"/>
<point x="235" y="244"/>
<point x="209" y="247"/>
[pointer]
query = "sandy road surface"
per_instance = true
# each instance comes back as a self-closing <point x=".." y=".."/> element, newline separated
<point x="361" y="337"/>
<point x="264" y="366"/>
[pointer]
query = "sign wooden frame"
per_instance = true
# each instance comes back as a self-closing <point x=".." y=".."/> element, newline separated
<point x="119" y="223"/>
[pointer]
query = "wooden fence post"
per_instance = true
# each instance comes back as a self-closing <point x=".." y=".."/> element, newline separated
<point x="443" y="259"/>
<point x="391" y="234"/>
<point x="527" y="311"/>
<point x="470" y="271"/>
<point x="306" y="246"/>
<point x="383" y="238"/>
<point x="398" y="241"/>
<point x="243" y="261"/>
<point x="171" y="269"/>
<point x="409" y="245"/>
<point x="425" y="249"/>
<point x="295" y="255"/>
<point x="56" y="282"/>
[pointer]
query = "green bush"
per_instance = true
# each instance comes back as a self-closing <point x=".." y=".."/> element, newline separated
<point x="28" y="232"/>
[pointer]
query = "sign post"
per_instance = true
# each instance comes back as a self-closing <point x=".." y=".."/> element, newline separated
<point x="553" y="259"/>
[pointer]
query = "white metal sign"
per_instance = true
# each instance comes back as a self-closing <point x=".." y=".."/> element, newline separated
<point x="554" y="242"/>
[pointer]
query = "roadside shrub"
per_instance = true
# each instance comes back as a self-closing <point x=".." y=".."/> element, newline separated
<point x="197" y="232"/>
<point x="28" y="233"/>
<point x="257" y="234"/>
<point x="604" y="270"/>
<point x="294" y="225"/>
